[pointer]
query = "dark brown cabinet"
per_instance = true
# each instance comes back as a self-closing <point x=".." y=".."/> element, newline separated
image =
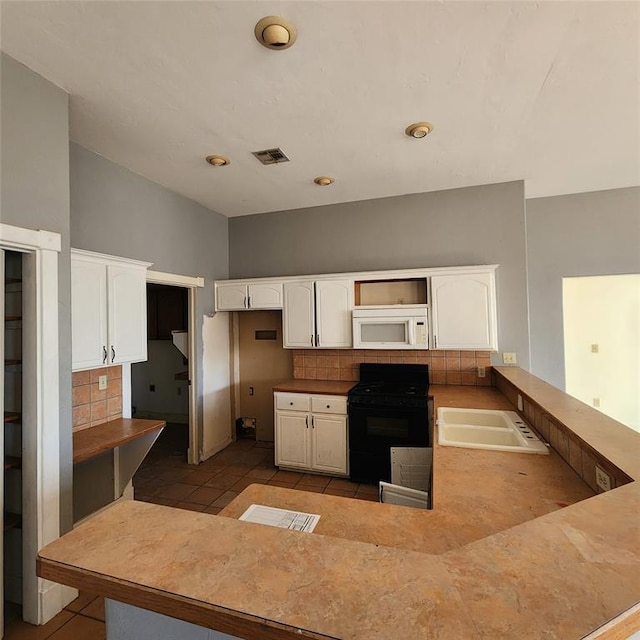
<point x="167" y="310"/>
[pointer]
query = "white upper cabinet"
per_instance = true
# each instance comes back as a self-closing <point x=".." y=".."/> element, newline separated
<point x="127" y="314"/>
<point x="88" y="313"/>
<point x="464" y="311"/>
<point x="231" y="297"/>
<point x="334" y="304"/>
<point x="317" y="314"/>
<point x="298" y="318"/>
<point x="243" y="296"/>
<point x="108" y="310"/>
<point x="266" y="295"/>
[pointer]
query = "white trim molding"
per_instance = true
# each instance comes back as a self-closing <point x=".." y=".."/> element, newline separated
<point x="41" y="413"/>
<point x="159" y="277"/>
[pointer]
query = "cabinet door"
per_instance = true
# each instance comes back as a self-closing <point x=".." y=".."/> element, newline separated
<point x="231" y="297"/>
<point x="334" y="304"/>
<point x="127" y="314"/>
<point x="265" y="296"/>
<point x="329" y="443"/>
<point x="298" y="322"/>
<point x="88" y="313"/>
<point x="292" y="439"/>
<point x="464" y="311"/>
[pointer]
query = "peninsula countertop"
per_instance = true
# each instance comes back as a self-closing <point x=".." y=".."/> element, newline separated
<point x="559" y="575"/>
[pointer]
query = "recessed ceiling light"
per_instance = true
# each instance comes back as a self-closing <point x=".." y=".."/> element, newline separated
<point x="324" y="181"/>
<point x="419" y="129"/>
<point x="218" y="161"/>
<point x="274" y="32"/>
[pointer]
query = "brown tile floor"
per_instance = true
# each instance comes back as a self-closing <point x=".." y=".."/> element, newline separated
<point x="165" y="478"/>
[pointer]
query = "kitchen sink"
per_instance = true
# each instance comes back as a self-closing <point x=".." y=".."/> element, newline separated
<point x="487" y="429"/>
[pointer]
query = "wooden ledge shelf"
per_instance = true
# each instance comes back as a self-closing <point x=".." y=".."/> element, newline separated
<point x="94" y="441"/>
<point x="11" y="416"/>
<point x="12" y="462"/>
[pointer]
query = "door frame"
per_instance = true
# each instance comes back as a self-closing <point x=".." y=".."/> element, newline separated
<point x="192" y="284"/>
<point x="41" y="412"/>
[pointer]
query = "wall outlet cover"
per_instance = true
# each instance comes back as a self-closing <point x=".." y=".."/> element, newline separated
<point x="102" y="383"/>
<point x="509" y="358"/>
<point x="482" y="372"/>
<point x="603" y="479"/>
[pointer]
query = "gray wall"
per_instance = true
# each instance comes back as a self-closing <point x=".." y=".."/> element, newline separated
<point x="35" y="195"/>
<point x="117" y="212"/>
<point x="476" y="225"/>
<point x="584" y="234"/>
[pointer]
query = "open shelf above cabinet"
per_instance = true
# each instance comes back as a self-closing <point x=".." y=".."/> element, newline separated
<point x="377" y="293"/>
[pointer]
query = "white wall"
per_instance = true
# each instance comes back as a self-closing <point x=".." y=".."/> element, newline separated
<point x="604" y="311"/>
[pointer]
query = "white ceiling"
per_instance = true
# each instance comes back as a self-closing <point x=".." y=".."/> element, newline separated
<point x="547" y="92"/>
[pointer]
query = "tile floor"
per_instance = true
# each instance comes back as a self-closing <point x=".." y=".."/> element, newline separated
<point x="165" y="478"/>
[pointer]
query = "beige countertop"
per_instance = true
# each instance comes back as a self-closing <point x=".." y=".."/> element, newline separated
<point x="322" y="387"/>
<point x="509" y="563"/>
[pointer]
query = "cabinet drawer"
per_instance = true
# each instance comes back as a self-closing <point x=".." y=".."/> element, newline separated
<point x="329" y="404"/>
<point x="292" y="401"/>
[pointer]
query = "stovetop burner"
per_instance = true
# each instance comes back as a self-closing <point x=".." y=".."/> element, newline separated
<point x="391" y="384"/>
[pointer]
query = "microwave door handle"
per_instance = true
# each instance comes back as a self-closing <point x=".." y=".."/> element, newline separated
<point x="412" y="333"/>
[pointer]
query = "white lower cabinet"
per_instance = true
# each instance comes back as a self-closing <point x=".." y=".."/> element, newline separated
<point x="311" y="433"/>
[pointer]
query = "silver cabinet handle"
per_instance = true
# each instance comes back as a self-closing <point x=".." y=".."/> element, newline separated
<point x="317" y="339"/>
<point x="435" y="341"/>
<point x="105" y="355"/>
<point x="306" y="419"/>
<point x="244" y="302"/>
<point x="313" y="422"/>
<point x="113" y="354"/>
<point x="312" y="340"/>
<point x="248" y="302"/>
<point x="328" y="406"/>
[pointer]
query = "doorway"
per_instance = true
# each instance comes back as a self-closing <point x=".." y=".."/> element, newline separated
<point x="262" y="362"/>
<point x="160" y="385"/>
<point x="602" y="344"/>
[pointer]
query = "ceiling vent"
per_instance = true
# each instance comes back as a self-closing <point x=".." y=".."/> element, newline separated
<point x="271" y="156"/>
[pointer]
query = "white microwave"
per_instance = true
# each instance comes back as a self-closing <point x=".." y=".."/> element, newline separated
<point x="403" y="327"/>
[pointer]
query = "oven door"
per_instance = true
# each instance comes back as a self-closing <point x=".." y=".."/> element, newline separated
<point x="379" y="428"/>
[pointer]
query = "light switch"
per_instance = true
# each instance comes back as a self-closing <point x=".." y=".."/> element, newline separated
<point x="595" y="348"/>
<point x="102" y="383"/>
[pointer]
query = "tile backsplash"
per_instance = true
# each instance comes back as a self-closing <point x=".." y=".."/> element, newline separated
<point x="445" y="367"/>
<point x="92" y="406"/>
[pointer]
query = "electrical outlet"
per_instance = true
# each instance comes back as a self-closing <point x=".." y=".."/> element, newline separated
<point x="520" y="403"/>
<point x="102" y="383"/>
<point x="509" y="358"/>
<point x="250" y="391"/>
<point x="152" y="387"/>
<point x="482" y="372"/>
<point x="603" y="479"/>
<point x="595" y="348"/>
<point x="596" y="403"/>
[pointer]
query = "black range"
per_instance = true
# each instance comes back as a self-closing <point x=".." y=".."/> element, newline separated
<point x="389" y="407"/>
